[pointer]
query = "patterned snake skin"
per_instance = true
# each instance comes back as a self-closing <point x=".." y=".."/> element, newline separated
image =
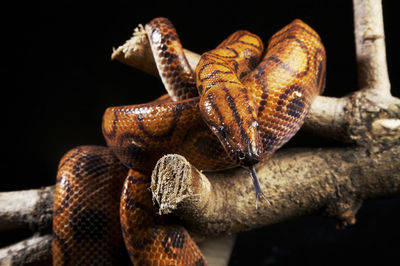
<point x="239" y="106"/>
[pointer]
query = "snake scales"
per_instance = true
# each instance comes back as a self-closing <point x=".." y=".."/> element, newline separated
<point x="240" y="105"/>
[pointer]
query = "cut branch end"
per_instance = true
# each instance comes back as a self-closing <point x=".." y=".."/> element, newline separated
<point x="176" y="182"/>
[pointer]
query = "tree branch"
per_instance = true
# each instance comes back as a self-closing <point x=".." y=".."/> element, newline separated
<point x="35" y="250"/>
<point x="327" y="118"/>
<point x="295" y="182"/>
<point x="136" y="52"/>
<point x="28" y="209"/>
<point x="370" y="47"/>
<point x="33" y="209"/>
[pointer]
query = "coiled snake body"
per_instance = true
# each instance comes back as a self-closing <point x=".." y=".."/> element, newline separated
<point x="235" y="109"/>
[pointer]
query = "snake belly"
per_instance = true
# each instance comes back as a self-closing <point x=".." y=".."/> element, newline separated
<point x="240" y="105"/>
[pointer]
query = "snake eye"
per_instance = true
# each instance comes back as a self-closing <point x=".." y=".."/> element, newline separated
<point x="241" y="156"/>
<point x="222" y="132"/>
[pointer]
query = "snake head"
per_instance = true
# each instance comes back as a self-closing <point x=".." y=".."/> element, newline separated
<point x="232" y="119"/>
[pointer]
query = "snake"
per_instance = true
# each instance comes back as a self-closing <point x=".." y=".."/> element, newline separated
<point x="240" y="104"/>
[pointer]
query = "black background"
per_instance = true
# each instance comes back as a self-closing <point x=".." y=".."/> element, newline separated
<point x="62" y="79"/>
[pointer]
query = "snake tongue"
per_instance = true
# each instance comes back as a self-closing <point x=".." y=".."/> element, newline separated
<point x="252" y="154"/>
<point x="256" y="184"/>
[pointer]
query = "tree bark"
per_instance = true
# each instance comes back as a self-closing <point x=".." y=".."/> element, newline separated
<point x="370" y="46"/>
<point x="33" y="251"/>
<point x="296" y="182"/>
<point x="29" y="209"/>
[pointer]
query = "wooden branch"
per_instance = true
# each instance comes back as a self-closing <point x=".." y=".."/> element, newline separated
<point x="36" y="250"/>
<point x="30" y="209"/>
<point x="33" y="251"/>
<point x="370" y="47"/>
<point x="33" y="209"/>
<point x="136" y="52"/>
<point x="295" y="182"/>
<point x="327" y="118"/>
